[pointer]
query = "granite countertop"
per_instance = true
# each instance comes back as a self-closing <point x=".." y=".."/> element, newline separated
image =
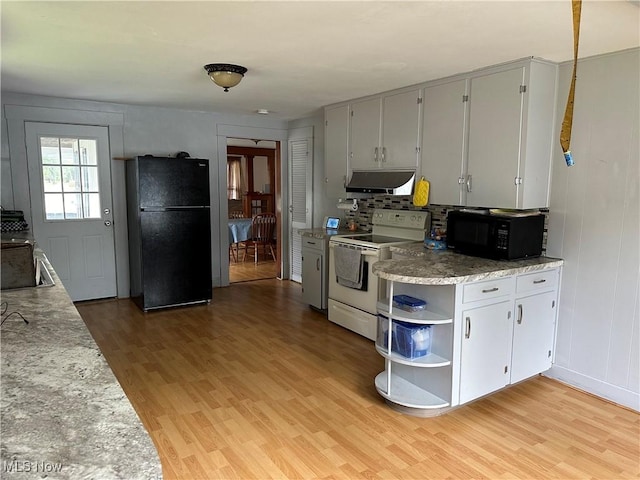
<point x="324" y="233"/>
<point x="445" y="267"/>
<point x="63" y="413"/>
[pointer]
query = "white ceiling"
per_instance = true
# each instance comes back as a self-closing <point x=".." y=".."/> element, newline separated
<point x="300" y="55"/>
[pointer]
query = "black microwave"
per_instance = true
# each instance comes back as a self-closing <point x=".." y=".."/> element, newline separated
<point x="502" y="237"/>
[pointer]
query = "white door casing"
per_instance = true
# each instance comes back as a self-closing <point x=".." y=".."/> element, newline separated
<point x="300" y="188"/>
<point x="71" y="205"/>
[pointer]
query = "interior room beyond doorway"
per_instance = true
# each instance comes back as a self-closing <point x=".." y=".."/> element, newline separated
<point x="251" y="191"/>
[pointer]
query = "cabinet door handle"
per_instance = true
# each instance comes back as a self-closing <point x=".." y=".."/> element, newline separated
<point x="489" y="290"/>
<point x="384" y="154"/>
<point x="520" y="314"/>
<point x="317" y="264"/>
<point x="536" y="282"/>
<point x="375" y="154"/>
<point x="469" y="183"/>
<point x="467" y="329"/>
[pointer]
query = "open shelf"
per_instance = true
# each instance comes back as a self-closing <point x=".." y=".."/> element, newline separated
<point x="428" y="316"/>
<point x="428" y="361"/>
<point x="407" y="394"/>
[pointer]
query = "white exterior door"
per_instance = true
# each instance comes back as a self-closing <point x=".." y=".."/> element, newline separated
<point x="300" y="188"/>
<point x="71" y="209"/>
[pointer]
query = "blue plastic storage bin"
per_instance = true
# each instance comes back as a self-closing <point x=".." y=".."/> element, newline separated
<point x="409" y="340"/>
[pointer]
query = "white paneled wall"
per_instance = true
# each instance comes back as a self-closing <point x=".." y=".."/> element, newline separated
<point x="594" y="226"/>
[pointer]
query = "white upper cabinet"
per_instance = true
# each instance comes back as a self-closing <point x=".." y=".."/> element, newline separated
<point x="485" y="138"/>
<point x="401" y="129"/>
<point x="494" y="138"/>
<point x="364" y="144"/>
<point x="385" y="132"/>
<point x="444" y="133"/>
<point x="336" y="151"/>
<point x="511" y="120"/>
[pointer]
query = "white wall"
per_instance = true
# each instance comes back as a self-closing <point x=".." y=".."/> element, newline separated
<point x="141" y="130"/>
<point x="594" y="227"/>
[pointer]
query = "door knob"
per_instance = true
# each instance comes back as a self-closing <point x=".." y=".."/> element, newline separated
<point x="107" y="223"/>
<point x="107" y="211"/>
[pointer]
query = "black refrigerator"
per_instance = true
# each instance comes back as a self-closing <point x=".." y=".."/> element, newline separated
<point x="168" y="209"/>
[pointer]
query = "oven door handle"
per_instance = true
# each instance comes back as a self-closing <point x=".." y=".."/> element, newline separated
<point x="370" y="253"/>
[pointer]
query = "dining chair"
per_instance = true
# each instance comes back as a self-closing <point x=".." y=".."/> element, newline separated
<point x="235" y="247"/>
<point x="262" y="228"/>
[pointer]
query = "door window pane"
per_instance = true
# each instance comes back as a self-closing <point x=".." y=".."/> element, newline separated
<point x="69" y="151"/>
<point x="70" y="166"/>
<point x="51" y="178"/>
<point x="90" y="179"/>
<point x="88" y="152"/>
<point x="53" y="206"/>
<point x="91" y="202"/>
<point x="50" y="151"/>
<point x="72" y="205"/>
<point x="71" y="179"/>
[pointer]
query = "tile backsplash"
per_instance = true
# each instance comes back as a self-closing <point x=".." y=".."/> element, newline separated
<point x="439" y="213"/>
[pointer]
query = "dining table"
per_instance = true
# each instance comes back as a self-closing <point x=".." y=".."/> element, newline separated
<point x="239" y="231"/>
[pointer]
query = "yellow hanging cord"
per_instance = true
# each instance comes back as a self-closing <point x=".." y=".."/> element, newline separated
<point x="565" y="133"/>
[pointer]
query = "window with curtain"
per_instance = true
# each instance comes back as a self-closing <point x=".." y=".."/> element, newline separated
<point x="234" y="179"/>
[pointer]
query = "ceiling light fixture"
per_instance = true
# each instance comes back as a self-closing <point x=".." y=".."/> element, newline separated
<point x="225" y="75"/>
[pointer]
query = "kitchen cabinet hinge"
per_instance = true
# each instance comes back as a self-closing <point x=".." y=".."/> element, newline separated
<point x="549" y="354"/>
<point x="417" y="149"/>
<point x="553" y="304"/>
<point x="517" y="180"/>
<point x="523" y="88"/>
<point x="508" y="314"/>
<point x="506" y="369"/>
<point x="419" y="101"/>
<point x="326" y="123"/>
<point x="465" y="98"/>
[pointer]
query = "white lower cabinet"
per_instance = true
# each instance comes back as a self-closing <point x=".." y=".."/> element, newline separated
<point x="484" y="336"/>
<point x="534" y="324"/>
<point x="314" y="272"/>
<point x="486" y="350"/>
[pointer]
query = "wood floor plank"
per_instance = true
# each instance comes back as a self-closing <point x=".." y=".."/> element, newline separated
<point x="258" y="385"/>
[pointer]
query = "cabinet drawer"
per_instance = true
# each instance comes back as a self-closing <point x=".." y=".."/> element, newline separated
<point x="473" y="292"/>
<point x="313" y="243"/>
<point x="537" y="281"/>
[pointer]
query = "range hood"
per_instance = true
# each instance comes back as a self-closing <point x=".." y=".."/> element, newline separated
<point x="390" y="182"/>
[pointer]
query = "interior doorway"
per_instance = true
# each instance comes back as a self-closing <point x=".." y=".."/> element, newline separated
<point x="253" y="167"/>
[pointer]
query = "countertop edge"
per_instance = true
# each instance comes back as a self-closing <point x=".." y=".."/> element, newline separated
<point x="449" y="268"/>
<point x="63" y="410"/>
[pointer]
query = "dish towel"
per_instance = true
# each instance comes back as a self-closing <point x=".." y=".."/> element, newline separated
<point x="349" y="265"/>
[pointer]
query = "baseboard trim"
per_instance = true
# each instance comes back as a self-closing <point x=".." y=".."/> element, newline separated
<point x="618" y="395"/>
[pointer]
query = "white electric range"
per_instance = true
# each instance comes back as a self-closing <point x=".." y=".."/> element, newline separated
<point x="352" y="304"/>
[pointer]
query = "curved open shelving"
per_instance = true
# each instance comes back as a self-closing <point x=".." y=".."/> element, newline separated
<point x="408" y="394"/>
<point x="428" y="361"/>
<point x="428" y="316"/>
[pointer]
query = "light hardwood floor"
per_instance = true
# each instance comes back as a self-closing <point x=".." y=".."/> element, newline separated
<point x="248" y="270"/>
<point x="258" y="385"/>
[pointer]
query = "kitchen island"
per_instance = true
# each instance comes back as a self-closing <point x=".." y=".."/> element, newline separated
<point x="472" y="326"/>
<point x="64" y="414"/>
